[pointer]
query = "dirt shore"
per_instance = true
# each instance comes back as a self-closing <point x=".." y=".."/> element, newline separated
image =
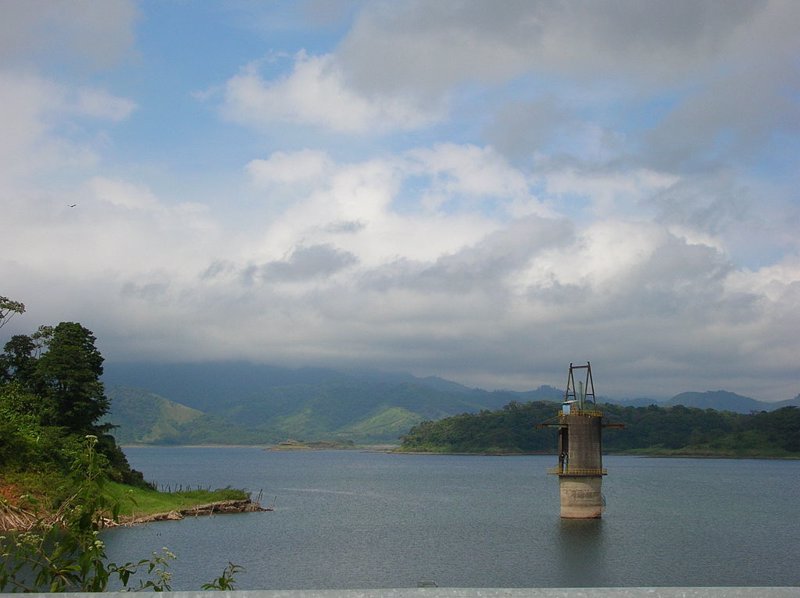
<point x="13" y="518"/>
<point x="215" y="508"/>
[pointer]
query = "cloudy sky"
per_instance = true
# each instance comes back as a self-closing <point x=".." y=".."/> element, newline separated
<point x="485" y="191"/>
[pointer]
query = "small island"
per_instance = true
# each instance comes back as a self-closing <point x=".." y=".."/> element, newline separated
<point x="312" y="445"/>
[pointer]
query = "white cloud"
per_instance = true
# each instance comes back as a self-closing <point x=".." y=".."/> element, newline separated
<point x="362" y="217"/>
<point x="607" y="193"/>
<point x="33" y="118"/>
<point x="468" y="171"/>
<point x="316" y="94"/>
<point x="98" y="103"/>
<point x="123" y="194"/>
<point x="289" y="168"/>
<point x="341" y="277"/>
<point x="26" y="100"/>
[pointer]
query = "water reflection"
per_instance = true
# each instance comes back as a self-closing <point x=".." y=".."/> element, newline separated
<point x="581" y="551"/>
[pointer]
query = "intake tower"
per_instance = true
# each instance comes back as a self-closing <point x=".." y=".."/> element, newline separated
<point x="580" y="468"/>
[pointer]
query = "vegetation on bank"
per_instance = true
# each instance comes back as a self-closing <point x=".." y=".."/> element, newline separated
<point x="62" y="475"/>
<point x="51" y="399"/>
<point x="651" y="430"/>
<point x="136" y="502"/>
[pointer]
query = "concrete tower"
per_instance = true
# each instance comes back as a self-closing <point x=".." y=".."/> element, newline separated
<point x="580" y="448"/>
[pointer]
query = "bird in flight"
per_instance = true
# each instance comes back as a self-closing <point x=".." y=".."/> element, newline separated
<point x="72" y="205"/>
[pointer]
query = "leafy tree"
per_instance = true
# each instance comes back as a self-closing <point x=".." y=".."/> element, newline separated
<point x="69" y="373"/>
<point x="8" y="309"/>
<point x="17" y="362"/>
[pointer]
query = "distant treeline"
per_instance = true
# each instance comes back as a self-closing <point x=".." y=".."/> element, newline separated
<point x="648" y="430"/>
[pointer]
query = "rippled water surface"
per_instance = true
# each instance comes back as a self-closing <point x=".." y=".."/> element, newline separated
<point x="348" y="519"/>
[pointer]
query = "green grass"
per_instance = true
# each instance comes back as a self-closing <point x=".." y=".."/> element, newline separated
<point x="137" y="502"/>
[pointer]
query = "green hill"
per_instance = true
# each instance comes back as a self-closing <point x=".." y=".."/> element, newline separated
<point x="255" y="404"/>
<point x="142" y="417"/>
<point x="299" y="412"/>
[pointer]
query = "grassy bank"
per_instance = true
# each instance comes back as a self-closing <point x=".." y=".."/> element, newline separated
<point x="137" y="502"/>
<point x="41" y="494"/>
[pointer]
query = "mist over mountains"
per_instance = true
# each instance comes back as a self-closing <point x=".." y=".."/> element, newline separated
<point x="244" y="403"/>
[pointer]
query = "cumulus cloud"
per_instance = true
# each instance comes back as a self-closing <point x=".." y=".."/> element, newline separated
<point x="481" y="191"/>
<point x="289" y="168"/>
<point x="123" y="194"/>
<point x="461" y="172"/>
<point x="98" y="103"/>
<point x="314" y="93"/>
<point x="35" y="110"/>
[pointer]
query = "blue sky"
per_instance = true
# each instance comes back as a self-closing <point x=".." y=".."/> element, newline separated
<point x="481" y="191"/>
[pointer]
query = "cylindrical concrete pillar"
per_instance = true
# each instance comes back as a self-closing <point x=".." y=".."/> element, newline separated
<point x="581" y="480"/>
<point x="581" y="497"/>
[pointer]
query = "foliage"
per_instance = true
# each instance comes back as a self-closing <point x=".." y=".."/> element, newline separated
<point x="54" y="446"/>
<point x="8" y="309"/>
<point x="141" y="501"/>
<point x="50" y="397"/>
<point x="69" y="375"/>
<point x="66" y="552"/>
<point x="27" y="444"/>
<point x="508" y="430"/>
<point x="226" y="581"/>
<point x="672" y="430"/>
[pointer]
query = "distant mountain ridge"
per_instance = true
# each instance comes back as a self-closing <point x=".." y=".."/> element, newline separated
<point x="243" y="403"/>
<point x="722" y="400"/>
<point x="142" y="417"/>
<point x="265" y="404"/>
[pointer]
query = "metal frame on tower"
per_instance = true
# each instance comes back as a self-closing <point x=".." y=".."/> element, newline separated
<point x="588" y="385"/>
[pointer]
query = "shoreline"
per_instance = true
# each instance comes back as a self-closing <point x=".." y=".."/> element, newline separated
<point x="395" y="450"/>
<point x="16" y="519"/>
<point x="222" y="507"/>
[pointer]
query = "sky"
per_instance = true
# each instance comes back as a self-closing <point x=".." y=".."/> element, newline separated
<point x="483" y="191"/>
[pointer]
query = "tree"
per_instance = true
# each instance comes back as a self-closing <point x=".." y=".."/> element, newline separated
<point x="17" y="362"/>
<point x="69" y="373"/>
<point x="8" y="309"/>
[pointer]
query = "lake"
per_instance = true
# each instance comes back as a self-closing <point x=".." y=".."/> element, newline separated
<point x="350" y="519"/>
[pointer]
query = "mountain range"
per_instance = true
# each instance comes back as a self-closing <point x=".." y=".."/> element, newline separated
<point x="244" y="403"/>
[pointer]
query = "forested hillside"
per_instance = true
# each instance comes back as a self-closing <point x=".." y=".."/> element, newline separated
<point x="238" y="403"/>
<point x="141" y="417"/>
<point x="653" y="429"/>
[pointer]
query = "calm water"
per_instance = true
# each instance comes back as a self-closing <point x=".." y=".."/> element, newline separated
<point x="347" y="519"/>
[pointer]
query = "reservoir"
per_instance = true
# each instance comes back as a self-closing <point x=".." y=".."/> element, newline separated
<point x="351" y="519"/>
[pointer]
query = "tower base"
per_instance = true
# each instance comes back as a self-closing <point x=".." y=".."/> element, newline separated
<point x="581" y="497"/>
